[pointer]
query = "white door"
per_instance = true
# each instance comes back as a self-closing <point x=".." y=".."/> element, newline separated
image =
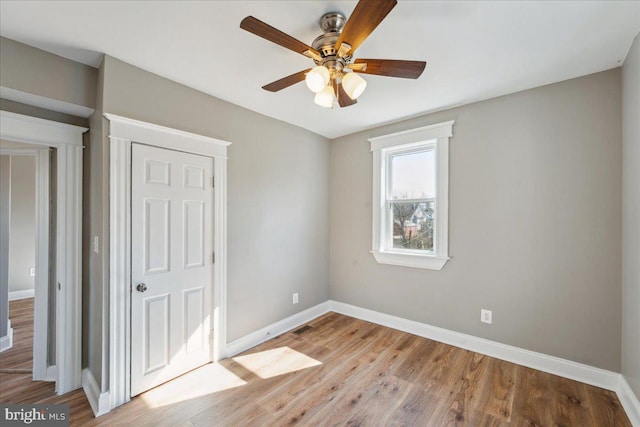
<point x="171" y="264"/>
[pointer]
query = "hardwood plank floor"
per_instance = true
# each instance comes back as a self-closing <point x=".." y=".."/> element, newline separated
<point x="20" y="356"/>
<point x="344" y="371"/>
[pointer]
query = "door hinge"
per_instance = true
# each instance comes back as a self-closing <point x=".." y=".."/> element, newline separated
<point x="213" y="181"/>
<point x="213" y="258"/>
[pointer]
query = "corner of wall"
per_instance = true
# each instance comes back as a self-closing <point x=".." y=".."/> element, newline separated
<point x="631" y="218"/>
<point x="99" y="401"/>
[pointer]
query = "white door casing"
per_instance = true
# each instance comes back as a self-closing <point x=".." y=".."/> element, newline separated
<point x="171" y="264"/>
<point x="122" y="131"/>
<point x="67" y="139"/>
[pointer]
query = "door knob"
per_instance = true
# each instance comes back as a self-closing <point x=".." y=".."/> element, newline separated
<point x="141" y="287"/>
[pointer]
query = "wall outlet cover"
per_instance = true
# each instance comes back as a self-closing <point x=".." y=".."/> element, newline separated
<point x="486" y="316"/>
<point x="32" y="272"/>
<point x="295" y="298"/>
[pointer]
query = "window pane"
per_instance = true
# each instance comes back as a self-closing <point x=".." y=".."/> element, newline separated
<point x="413" y="176"/>
<point x="413" y="225"/>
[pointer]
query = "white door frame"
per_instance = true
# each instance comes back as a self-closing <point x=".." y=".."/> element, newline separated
<point x="67" y="139"/>
<point x="41" y="288"/>
<point x="122" y="132"/>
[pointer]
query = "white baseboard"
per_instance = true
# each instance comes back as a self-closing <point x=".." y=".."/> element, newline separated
<point x="52" y="373"/>
<point x="554" y="365"/>
<point x="6" y="342"/>
<point x="275" y="329"/>
<point x="629" y="401"/>
<point x="27" y="293"/>
<point x="99" y="401"/>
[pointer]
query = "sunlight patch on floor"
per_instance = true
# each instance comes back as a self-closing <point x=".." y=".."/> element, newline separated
<point x="279" y="361"/>
<point x="208" y="379"/>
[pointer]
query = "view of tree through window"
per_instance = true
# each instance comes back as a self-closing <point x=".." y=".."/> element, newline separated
<point x="413" y="225"/>
<point x="411" y="199"/>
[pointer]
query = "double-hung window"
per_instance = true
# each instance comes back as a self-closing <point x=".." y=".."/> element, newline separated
<point x="410" y="197"/>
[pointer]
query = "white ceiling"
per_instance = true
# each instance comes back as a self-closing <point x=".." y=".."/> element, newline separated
<point x="474" y="50"/>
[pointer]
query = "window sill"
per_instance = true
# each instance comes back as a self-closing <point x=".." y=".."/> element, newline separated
<point x="430" y="262"/>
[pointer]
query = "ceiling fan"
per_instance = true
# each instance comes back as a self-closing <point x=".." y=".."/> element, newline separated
<point x="335" y="76"/>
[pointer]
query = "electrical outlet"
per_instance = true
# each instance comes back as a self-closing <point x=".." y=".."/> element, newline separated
<point x="32" y="272"/>
<point x="96" y="242"/>
<point x="295" y="298"/>
<point x="485" y="316"/>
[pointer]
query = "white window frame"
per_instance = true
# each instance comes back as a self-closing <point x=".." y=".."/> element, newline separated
<point x="383" y="147"/>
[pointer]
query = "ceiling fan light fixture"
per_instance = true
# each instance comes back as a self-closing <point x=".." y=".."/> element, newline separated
<point x="332" y="78"/>
<point x="325" y="97"/>
<point x="353" y="84"/>
<point x="318" y="78"/>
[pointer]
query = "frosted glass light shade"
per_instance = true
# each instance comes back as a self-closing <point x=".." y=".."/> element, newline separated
<point x="325" y="97"/>
<point x="317" y="79"/>
<point x="353" y="84"/>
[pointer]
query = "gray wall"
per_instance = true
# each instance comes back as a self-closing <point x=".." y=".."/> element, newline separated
<point x="22" y="249"/>
<point x="5" y="224"/>
<point x="31" y="70"/>
<point x="95" y="266"/>
<point x="631" y="218"/>
<point x="535" y="234"/>
<point x="278" y="196"/>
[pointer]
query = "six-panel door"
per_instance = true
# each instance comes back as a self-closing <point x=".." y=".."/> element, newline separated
<point x="171" y="264"/>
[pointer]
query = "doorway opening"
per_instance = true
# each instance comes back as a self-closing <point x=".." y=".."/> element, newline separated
<point x="57" y="149"/>
<point x="27" y="213"/>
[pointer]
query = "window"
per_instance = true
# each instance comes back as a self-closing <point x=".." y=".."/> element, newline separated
<point x="410" y="197"/>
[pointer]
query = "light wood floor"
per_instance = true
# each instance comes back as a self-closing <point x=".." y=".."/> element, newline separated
<point x="344" y="371"/>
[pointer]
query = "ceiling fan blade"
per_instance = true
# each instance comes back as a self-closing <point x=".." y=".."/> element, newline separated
<point x="285" y="82"/>
<point x="276" y="36"/>
<point x="364" y="19"/>
<point x="343" y="99"/>
<point x="391" y="67"/>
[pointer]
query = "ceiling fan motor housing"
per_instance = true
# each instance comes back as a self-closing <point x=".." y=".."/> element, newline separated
<point x="331" y="23"/>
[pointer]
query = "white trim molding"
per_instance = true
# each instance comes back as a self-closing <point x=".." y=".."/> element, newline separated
<point x="51" y="374"/>
<point x="431" y="262"/>
<point x="434" y="137"/>
<point x="630" y="401"/>
<point x="98" y="401"/>
<point x="67" y="139"/>
<point x="122" y="132"/>
<point x="119" y="270"/>
<point x="32" y="130"/>
<point x="23" y="294"/>
<point x="43" y="267"/>
<point x="6" y="342"/>
<point x="542" y="362"/>
<point x="278" y="328"/>
<point x="220" y="250"/>
<point x="164" y="137"/>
